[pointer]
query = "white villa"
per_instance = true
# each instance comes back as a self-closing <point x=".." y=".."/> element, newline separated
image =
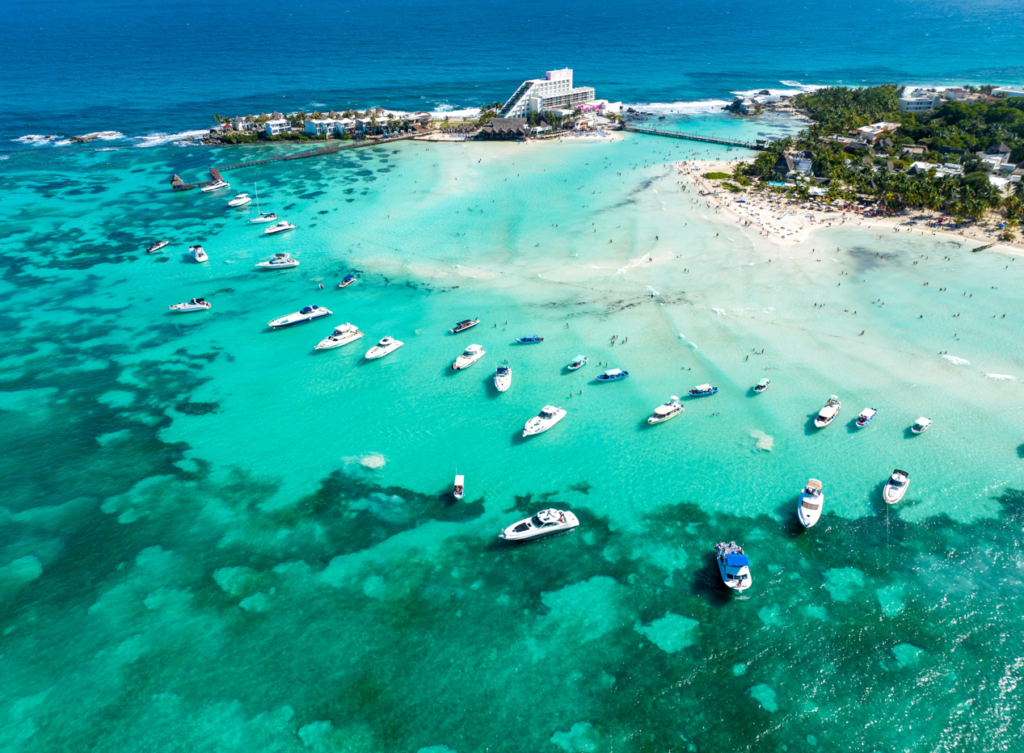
<point x="274" y="127"/>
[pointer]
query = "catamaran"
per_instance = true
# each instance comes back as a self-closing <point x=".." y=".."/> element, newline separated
<point x="261" y="217"/>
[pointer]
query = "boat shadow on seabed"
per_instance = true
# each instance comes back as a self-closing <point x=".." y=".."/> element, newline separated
<point x="706" y="582"/>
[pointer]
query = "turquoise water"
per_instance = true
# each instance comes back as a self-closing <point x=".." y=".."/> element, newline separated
<point x="215" y="538"/>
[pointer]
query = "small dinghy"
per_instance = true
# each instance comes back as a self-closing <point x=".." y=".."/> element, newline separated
<point x="703" y="389"/>
<point x="921" y="425"/>
<point x="530" y="339"/>
<point x="464" y="325"/>
<point x="196" y="304"/>
<point x="152" y="248"/>
<point x="460" y="487"/>
<point x="762" y="385"/>
<point x="578" y="363"/>
<point x="828" y="413"/>
<point x="896" y="487"/>
<point x="866" y="416"/>
<point x="811" y="500"/>
<point x="612" y="375"/>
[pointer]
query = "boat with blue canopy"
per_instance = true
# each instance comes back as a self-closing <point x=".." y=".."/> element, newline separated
<point x="530" y="339"/>
<point x="733" y="565"/>
<point x="703" y="389"/>
<point x="612" y="375"/>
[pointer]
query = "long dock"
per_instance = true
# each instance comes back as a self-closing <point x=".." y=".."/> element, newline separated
<point x="692" y="137"/>
<point x="177" y="184"/>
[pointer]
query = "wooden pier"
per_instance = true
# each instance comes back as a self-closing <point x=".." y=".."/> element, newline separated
<point x="761" y="146"/>
<point x="177" y="184"/>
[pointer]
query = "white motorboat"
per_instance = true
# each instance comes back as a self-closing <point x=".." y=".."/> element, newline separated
<point x="156" y="246"/>
<point x="543" y="523"/>
<point x="671" y="409"/>
<point x="303" y="315"/>
<point x="217" y="185"/>
<point x="548" y="417"/>
<point x="612" y="375"/>
<point x="577" y="363"/>
<point x="282" y="227"/>
<point x="261" y="217"/>
<point x="195" y="304"/>
<point x="346" y="281"/>
<point x="464" y="325"/>
<point x="921" y="425"/>
<point x="828" y="413"/>
<point x="279" y="261"/>
<point x="733" y="566"/>
<point x="197" y="253"/>
<point x="896" y="487"/>
<point x="502" y="378"/>
<point x="240" y="200"/>
<point x="811" y="500"/>
<point x="866" y="416"/>
<point x="762" y="385"/>
<point x="469" y="356"/>
<point x="342" y="335"/>
<point x="386" y="345"/>
<point x="460" y="487"/>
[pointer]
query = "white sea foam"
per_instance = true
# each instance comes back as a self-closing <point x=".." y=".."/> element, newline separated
<point x="372" y="460"/>
<point x="633" y="263"/>
<point x="35" y="139"/>
<point x="452" y="112"/>
<point x="156" y="139"/>
<point x="957" y="361"/>
<point x="651" y="291"/>
<point x="680" y="108"/>
<point x="1000" y="377"/>
<point x="719" y="312"/>
<point x="764" y="442"/>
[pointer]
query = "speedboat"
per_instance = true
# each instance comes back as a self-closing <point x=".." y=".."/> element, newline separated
<point x="703" y="389"/>
<point x="261" y="217"/>
<point x="305" y="314"/>
<point x="198" y="253"/>
<point x="921" y="425"/>
<point x="217" y="185"/>
<point x="240" y="200"/>
<point x="282" y="227"/>
<point x="342" y="335"/>
<point x="530" y="339"/>
<point x="348" y="280"/>
<point x="463" y="325"/>
<point x="733" y="565"/>
<point x="612" y="375"/>
<point x="671" y="409"/>
<point x="543" y="523"/>
<point x="896" y="487"/>
<point x="460" y="487"/>
<point x="502" y="378"/>
<point x="828" y="413"/>
<point x="811" y="500"/>
<point x="548" y="417"/>
<point x="762" y="385"/>
<point x="469" y="356"/>
<point x="578" y="363"/>
<point x="866" y="416"/>
<point x="195" y="304"/>
<point x="279" y="261"/>
<point x="156" y="246"/>
<point x="386" y="345"/>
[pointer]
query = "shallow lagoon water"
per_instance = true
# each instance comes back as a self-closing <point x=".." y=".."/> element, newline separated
<point x="215" y="538"/>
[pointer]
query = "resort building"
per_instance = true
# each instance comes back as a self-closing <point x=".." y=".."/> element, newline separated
<point x="919" y="101"/>
<point x="554" y="91"/>
<point x="870" y="134"/>
<point x="274" y="127"/>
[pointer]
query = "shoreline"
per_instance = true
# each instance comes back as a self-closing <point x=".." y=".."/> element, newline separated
<point x="760" y="210"/>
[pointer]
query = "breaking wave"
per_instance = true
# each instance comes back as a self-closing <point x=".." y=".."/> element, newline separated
<point x="957" y="361"/>
<point x="156" y="139"/>
<point x="999" y="377"/>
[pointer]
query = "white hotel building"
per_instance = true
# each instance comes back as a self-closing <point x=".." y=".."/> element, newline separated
<point x="553" y="92"/>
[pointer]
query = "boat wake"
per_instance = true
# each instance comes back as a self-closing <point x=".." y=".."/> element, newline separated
<point x="718" y="312"/>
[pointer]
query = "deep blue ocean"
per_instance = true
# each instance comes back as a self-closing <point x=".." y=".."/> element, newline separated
<point x="140" y="67"/>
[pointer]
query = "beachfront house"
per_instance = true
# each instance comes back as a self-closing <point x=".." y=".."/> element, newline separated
<point x="794" y="163"/>
<point x="552" y="92"/>
<point x="320" y="126"/>
<point x="870" y="134"/>
<point x="919" y="101"/>
<point x="276" y="126"/>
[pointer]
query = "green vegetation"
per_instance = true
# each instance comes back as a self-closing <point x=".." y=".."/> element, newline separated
<point x="717" y="176"/>
<point x="241" y="138"/>
<point x="954" y="133"/>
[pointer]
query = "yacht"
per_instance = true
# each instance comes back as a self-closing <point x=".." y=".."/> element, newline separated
<point x="282" y="227"/>
<point x="578" y="363"/>
<point x="240" y="200"/>
<point x="529" y="339"/>
<point x="386" y="345"/>
<point x="464" y="325"/>
<point x="762" y="385"/>
<point x="612" y="375"/>
<point x="733" y="565"/>
<point x="217" y="185"/>
<point x="198" y="253"/>
<point x="156" y="246"/>
<point x="195" y="304"/>
<point x="866" y="416"/>
<point x="896" y="487"/>
<point x="921" y="425"/>
<point x="811" y="500"/>
<point x="342" y="335"/>
<point x="703" y="389"/>
<point x="348" y="280"/>
<point x="306" y="314"/>
<point x="469" y="356"/>
<point x="548" y="417"/>
<point x="543" y="523"/>
<point x="460" y="487"/>
<point x="828" y="413"/>
<point x="261" y="217"/>
<point x="279" y="261"/>
<point x="671" y="409"/>
<point x="502" y="378"/>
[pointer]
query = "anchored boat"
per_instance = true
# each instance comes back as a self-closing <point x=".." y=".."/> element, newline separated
<point x="543" y="523"/>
